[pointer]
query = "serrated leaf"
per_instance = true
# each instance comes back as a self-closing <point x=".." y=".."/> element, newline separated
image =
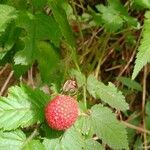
<point x="37" y="27"/>
<point x="12" y="140"/>
<point x="108" y="128"/>
<point x="130" y="83"/>
<point x="108" y="18"/>
<point x="71" y="139"/>
<point x="93" y="145"/>
<point x="22" y="107"/>
<point x="143" y="54"/>
<point x="7" y="14"/>
<point x="61" y="18"/>
<point x="112" y="12"/>
<point x="76" y="141"/>
<point x="49" y="61"/>
<point x="109" y="94"/>
<point x="34" y="145"/>
<point x="81" y="79"/>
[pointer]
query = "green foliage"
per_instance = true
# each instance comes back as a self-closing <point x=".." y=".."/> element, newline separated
<point x="37" y="28"/>
<point x="12" y="140"/>
<point x="23" y="107"/>
<point x="39" y="32"/>
<point x="84" y="124"/>
<point x="103" y="123"/>
<point x="142" y="57"/>
<point x="71" y="139"/>
<point x="92" y="144"/>
<point x="8" y="39"/>
<point x="141" y="4"/>
<point x="112" y="12"/>
<point x="49" y="62"/>
<point x="7" y="14"/>
<point x="130" y="83"/>
<point x="34" y="145"/>
<point x="61" y="18"/>
<point x="38" y="4"/>
<point x="107" y="127"/>
<point x="109" y="94"/>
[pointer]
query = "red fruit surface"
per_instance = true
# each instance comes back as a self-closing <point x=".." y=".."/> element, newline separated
<point x="61" y="112"/>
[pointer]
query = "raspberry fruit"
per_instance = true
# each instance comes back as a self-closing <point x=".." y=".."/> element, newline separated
<point x="61" y="112"/>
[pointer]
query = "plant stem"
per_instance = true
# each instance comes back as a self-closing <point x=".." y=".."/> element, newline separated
<point x="135" y="127"/>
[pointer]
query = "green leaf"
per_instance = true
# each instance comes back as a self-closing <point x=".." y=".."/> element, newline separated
<point x="37" y="27"/>
<point x="76" y="141"/>
<point x="71" y="139"/>
<point x="20" y="70"/>
<point x="81" y="79"/>
<point x="143" y="54"/>
<point x="109" y="94"/>
<point x="53" y="144"/>
<point x="18" y="4"/>
<point x="93" y="145"/>
<point x="12" y="140"/>
<point x="114" y="11"/>
<point x="8" y="39"/>
<point x="47" y="29"/>
<point x="141" y="4"/>
<point x="108" y="128"/>
<point x="34" y="145"/>
<point x="48" y="60"/>
<point x="130" y="83"/>
<point x="83" y="124"/>
<point x="22" y="107"/>
<point x="26" y="56"/>
<point x="61" y="18"/>
<point x="38" y="4"/>
<point x="7" y="14"/>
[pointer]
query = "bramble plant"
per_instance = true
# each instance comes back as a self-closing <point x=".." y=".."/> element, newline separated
<point x="64" y="46"/>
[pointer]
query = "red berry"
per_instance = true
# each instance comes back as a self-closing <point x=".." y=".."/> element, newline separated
<point x="61" y="112"/>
